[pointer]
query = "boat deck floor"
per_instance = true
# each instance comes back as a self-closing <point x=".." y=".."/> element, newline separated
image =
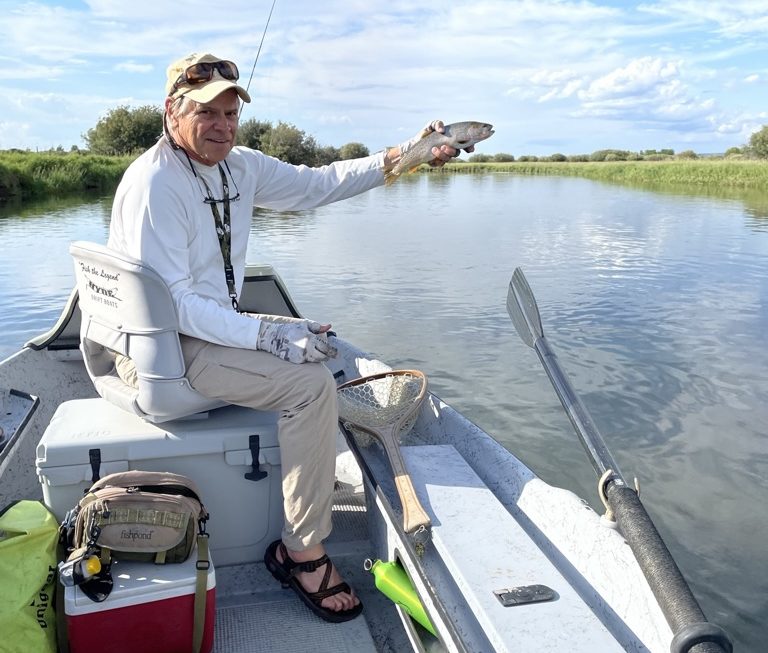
<point x="254" y="613"/>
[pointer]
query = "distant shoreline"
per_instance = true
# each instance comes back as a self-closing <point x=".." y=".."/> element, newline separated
<point x="29" y="175"/>
<point x="709" y="172"/>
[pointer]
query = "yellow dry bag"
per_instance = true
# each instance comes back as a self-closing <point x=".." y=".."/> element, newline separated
<point x="28" y="538"/>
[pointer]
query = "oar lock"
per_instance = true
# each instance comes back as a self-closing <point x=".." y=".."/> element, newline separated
<point x="610" y="476"/>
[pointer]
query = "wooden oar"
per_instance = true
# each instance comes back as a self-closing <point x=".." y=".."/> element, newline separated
<point x="692" y="632"/>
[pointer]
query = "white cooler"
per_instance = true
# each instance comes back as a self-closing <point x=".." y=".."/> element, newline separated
<point x="213" y="449"/>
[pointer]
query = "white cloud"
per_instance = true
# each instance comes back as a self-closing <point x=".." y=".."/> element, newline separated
<point x="16" y="69"/>
<point x="734" y="18"/>
<point x="751" y="79"/>
<point x="638" y="77"/>
<point x="334" y="120"/>
<point x="743" y="125"/>
<point x="133" y="67"/>
<point x="647" y="91"/>
<point x="10" y="131"/>
<point x="565" y="91"/>
<point x="555" y="84"/>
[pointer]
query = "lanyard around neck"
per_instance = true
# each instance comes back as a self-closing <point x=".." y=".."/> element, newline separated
<point x="224" y="232"/>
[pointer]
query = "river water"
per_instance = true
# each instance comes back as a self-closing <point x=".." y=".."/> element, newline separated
<point x="655" y="301"/>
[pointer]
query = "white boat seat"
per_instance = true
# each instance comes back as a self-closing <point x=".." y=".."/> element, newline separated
<point x="127" y="309"/>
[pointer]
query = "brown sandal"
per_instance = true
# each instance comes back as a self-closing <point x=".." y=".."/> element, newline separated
<point x="286" y="571"/>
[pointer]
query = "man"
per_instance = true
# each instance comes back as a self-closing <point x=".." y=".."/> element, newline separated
<point x="184" y="207"/>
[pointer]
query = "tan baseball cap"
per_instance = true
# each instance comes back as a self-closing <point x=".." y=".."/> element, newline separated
<point x="203" y="91"/>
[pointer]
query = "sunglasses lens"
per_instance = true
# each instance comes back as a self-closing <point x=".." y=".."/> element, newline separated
<point x="200" y="72"/>
<point x="227" y="70"/>
<point x="203" y="72"/>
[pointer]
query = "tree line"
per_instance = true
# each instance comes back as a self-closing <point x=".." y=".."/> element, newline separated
<point x="613" y="155"/>
<point x="124" y="131"/>
<point x="757" y="148"/>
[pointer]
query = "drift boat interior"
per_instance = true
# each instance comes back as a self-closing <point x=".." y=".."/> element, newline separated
<point x="506" y="563"/>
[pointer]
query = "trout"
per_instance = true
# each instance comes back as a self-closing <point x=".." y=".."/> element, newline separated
<point x="460" y="135"/>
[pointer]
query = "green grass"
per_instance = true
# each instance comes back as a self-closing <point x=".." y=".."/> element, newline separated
<point x="26" y="175"/>
<point x="706" y="173"/>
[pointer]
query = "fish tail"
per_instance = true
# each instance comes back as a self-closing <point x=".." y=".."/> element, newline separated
<point x="390" y="177"/>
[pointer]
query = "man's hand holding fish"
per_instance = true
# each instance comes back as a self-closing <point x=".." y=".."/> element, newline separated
<point x="436" y="144"/>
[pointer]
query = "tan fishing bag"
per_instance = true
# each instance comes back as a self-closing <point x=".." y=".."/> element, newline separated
<point x="139" y="515"/>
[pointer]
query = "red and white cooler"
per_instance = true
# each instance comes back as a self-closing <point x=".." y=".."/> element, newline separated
<point x="150" y="609"/>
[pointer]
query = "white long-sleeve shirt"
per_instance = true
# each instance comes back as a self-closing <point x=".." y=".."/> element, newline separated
<point x="159" y="217"/>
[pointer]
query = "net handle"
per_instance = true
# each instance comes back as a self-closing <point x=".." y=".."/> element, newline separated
<point x="415" y="518"/>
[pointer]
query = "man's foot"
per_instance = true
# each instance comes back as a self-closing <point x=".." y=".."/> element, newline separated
<point x="313" y="577"/>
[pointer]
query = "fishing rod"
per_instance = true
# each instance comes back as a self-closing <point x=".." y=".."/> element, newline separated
<point x="258" y="52"/>
<point x="691" y="630"/>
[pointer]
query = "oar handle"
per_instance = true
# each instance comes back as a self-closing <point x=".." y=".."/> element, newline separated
<point x="673" y="594"/>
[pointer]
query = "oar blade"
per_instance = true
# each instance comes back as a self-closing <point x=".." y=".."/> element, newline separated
<point x="522" y="309"/>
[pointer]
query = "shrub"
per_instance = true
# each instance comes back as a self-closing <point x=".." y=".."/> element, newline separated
<point x="615" y="155"/>
<point x="33" y="175"/>
<point x="253" y="133"/>
<point x="758" y="143"/>
<point x="124" y="131"/>
<point x="327" y="154"/>
<point x="657" y="157"/>
<point x="353" y="151"/>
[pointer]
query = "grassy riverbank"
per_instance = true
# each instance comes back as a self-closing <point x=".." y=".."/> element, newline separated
<point x="27" y="175"/>
<point x="723" y="173"/>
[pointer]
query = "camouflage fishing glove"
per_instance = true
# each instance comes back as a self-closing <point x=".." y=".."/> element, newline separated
<point x="295" y="342"/>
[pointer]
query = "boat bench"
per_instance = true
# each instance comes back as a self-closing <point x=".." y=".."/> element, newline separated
<point x="492" y="560"/>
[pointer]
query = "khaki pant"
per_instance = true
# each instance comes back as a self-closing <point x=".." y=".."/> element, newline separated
<point x="305" y="397"/>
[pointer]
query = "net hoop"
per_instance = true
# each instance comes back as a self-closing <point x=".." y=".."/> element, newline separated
<point x="385" y="400"/>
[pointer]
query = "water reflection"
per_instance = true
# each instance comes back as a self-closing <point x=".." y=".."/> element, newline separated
<point x="754" y="202"/>
<point x="38" y="208"/>
<point x="36" y="273"/>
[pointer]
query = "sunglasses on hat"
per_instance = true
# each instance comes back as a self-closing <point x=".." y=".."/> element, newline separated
<point x="200" y="73"/>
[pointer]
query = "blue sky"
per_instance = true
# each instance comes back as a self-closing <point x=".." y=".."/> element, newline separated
<point x="551" y="75"/>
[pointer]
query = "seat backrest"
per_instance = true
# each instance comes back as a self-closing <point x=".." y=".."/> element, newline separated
<point x="127" y="309"/>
